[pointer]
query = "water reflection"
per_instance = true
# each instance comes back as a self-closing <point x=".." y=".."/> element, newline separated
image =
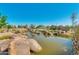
<point x="53" y="45"/>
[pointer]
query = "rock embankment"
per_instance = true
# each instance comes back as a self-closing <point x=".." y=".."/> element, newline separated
<point x="19" y="44"/>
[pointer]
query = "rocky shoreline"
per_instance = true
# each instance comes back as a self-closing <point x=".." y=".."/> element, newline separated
<point x="19" y="44"/>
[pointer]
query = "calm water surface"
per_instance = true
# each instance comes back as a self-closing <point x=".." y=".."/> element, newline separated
<point x="54" y="45"/>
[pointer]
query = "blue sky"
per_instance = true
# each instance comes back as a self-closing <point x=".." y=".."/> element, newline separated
<point x="32" y="13"/>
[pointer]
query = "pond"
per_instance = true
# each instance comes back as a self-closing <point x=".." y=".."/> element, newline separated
<point x="54" y="45"/>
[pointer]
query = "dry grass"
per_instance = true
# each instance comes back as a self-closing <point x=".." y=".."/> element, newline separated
<point x="5" y="36"/>
<point x="19" y="30"/>
<point x="7" y="33"/>
<point x="1" y="30"/>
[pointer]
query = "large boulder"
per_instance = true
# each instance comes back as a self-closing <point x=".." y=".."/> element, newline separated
<point x="12" y="49"/>
<point x="34" y="45"/>
<point x="4" y="44"/>
<point x="19" y="46"/>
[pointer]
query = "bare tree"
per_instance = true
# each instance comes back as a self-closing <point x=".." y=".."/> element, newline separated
<point x="75" y="39"/>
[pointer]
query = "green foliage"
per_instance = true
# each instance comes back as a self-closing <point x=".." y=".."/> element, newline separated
<point x="40" y="26"/>
<point x="53" y="27"/>
<point x="19" y="26"/>
<point x="3" y="21"/>
<point x="9" y="26"/>
<point x="32" y="26"/>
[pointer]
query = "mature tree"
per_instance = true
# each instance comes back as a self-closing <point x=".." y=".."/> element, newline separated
<point x="60" y="27"/>
<point x="48" y="27"/>
<point x="32" y="26"/>
<point x="19" y="26"/>
<point x="26" y="26"/>
<point x="3" y="21"/>
<point x="9" y="26"/>
<point x="67" y="28"/>
<point x="40" y="26"/>
<point x="53" y="27"/>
